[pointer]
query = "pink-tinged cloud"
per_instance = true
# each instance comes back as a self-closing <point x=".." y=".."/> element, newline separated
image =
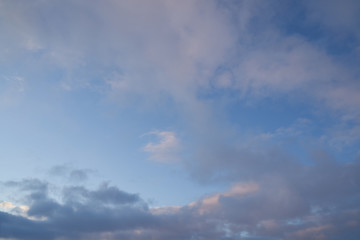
<point x="165" y="148"/>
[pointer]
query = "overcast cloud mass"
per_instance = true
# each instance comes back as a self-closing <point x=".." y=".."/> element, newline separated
<point x="182" y="120"/>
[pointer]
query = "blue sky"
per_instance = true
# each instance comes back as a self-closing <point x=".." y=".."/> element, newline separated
<point x="196" y="119"/>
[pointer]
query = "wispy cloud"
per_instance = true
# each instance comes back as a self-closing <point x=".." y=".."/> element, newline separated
<point x="11" y="90"/>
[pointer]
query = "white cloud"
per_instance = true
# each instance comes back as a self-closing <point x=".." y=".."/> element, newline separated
<point x="211" y="203"/>
<point x="165" y="149"/>
<point x="20" y="210"/>
<point x="165" y="210"/>
<point x="7" y="205"/>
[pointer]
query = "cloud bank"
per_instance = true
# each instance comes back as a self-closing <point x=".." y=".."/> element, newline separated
<point x="317" y="202"/>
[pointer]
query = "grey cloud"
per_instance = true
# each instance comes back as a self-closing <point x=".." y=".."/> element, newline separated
<point x="297" y="198"/>
<point x="78" y="175"/>
<point x="104" y="194"/>
<point x="59" y="170"/>
<point x="31" y="184"/>
<point x="20" y="228"/>
<point x="70" y="173"/>
<point x="68" y="223"/>
<point x="44" y="207"/>
<point x="219" y="162"/>
<point x="314" y="195"/>
<point x="84" y="211"/>
<point x="87" y="220"/>
<point x="94" y="218"/>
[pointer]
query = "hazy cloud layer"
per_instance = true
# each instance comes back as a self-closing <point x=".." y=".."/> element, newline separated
<point x="177" y="48"/>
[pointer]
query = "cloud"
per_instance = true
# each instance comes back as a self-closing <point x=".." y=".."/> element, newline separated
<point x="16" y="227"/>
<point x="212" y="203"/>
<point x="137" y="52"/>
<point x="7" y="205"/>
<point x="70" y="173"/>
<point x="198" y="53"/>
<point x="306" y="201"/>
<point x="166" y="149"/>
<point x="176" y="49"/>
<point x="105" y="194"/>
<point x="82" y="211"/>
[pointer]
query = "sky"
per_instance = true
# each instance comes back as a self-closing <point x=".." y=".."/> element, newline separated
<point x="182" y="120"/>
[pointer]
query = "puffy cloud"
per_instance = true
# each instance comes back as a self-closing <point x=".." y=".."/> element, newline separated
<point x="166" y="149"/>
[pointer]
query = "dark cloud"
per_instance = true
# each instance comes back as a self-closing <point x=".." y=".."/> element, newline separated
<point x="21" y="228"/>
<point x="44" y="208"/>
<point x="83" y="211"/>
<point x="105" y="194"/>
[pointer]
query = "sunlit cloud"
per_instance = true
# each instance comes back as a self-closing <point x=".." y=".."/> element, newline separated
<point x="165" y="149"/>
<point x="7" y="205"/>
